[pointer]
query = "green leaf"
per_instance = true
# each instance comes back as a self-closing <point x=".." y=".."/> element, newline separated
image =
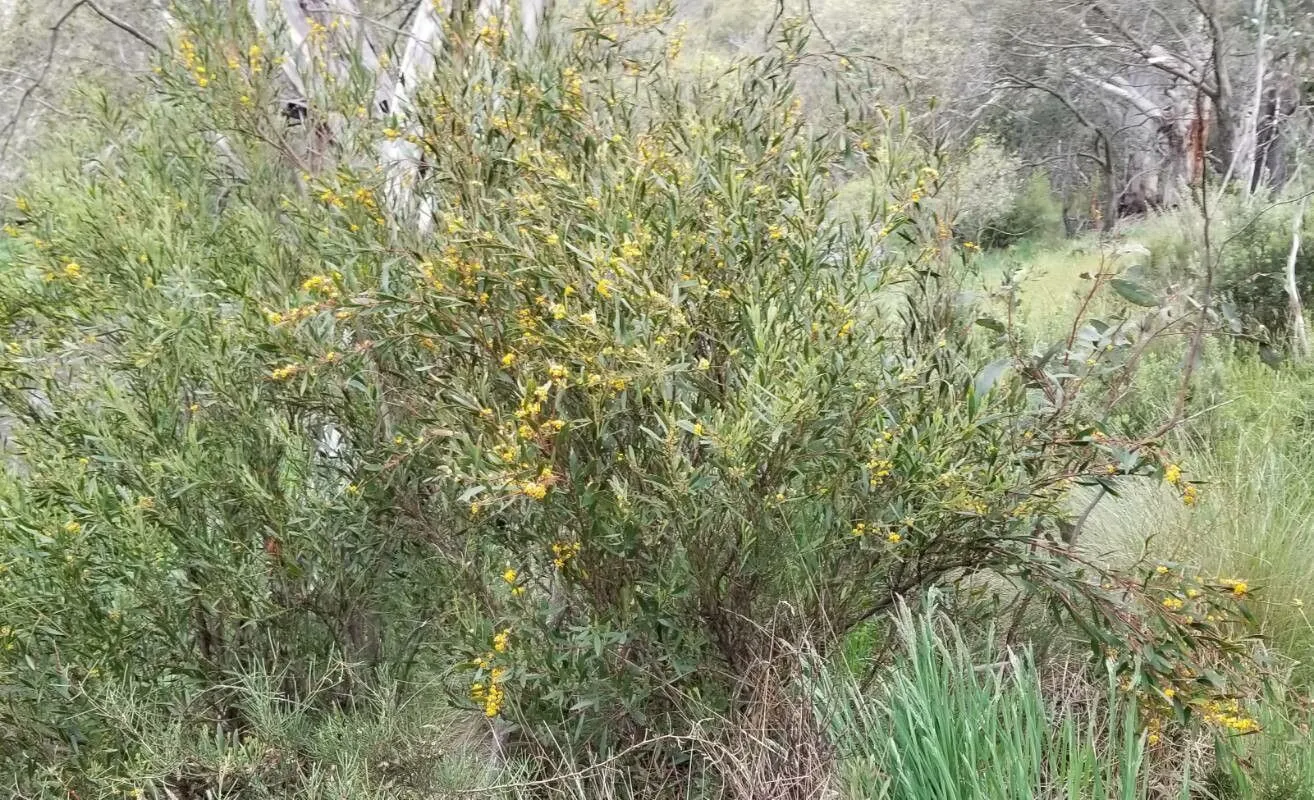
<point x="1134" y="293"/>
<point x="988" y="377"/>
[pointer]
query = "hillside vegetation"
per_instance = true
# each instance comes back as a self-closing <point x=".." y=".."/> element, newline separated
<point x="626" y="401"/>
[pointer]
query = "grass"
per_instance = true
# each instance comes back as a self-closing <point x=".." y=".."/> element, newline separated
<point x="948" y="724"/>
<point x="1246" y="445"/>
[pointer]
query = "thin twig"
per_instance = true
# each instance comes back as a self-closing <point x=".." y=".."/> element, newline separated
<point x="55" y="30"/>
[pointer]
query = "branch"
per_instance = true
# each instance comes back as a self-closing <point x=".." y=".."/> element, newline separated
<point x="55" y="30"/>
<point x="116" y="22"/>
<point x="1156" y="55"/>
<point x="1118" y="87"/>
<point x="1020" y="82"/>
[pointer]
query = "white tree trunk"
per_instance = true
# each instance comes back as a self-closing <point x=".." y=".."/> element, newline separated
<point x="317" y="55"/>
<point x="1299" y="337"/>
<point x="1246" y="142"/>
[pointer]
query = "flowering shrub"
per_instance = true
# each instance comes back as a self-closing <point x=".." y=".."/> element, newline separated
<point x="628" y="404"/>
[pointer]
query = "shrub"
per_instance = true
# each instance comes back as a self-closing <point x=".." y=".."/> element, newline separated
<point x="982" y="191"/>
<point x="626" y="406"/>
<point x="1251" y="244"/>
<point x="1036" y="214"/>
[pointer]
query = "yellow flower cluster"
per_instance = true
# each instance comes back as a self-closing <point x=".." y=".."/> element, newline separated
<point x="71" y="271"/>
<point x="1239" y="588"/>
<point x="1229" y="715"/>
<point x="511" y="576"/>
<point x="880" y="469"/>
<point x="563" y="552"/>
<point x="284" y="372"/>
<point x="293" y="315"/>
<point x="534" y="490"/>
<point x="187" y="55"/>
<point x="322" y="284"/>
<point x="973" y="505"/>
<point x="491" y="695"/>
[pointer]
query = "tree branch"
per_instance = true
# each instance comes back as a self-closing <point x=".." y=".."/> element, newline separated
<point x="55" y="30"/>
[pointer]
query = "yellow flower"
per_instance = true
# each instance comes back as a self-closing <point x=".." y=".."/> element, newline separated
<point x="558" y="311"/>
<point x="284" y="372"/>
<point x="319" y="284"/>
<point x="534" y="490"/>
<point x="557" y="372"/>
<point x="1161" y="570"/>
<point x="502" y="640"/>
<point x="698" y="429"/>
<point x="1172" y="473"/>
<point x="1172" y="604"/>
<point x="1239" y="588"/>
<point x="894" y="538"/>
<point x="1190" y="495"/>
<point x="776" y="232"/>
<point x="509" y="575"/>
<point x="604" y="288"/>
<point x="508" y="359"/>
<point x="72" y="527"/>
<point x="493" y="701"/>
